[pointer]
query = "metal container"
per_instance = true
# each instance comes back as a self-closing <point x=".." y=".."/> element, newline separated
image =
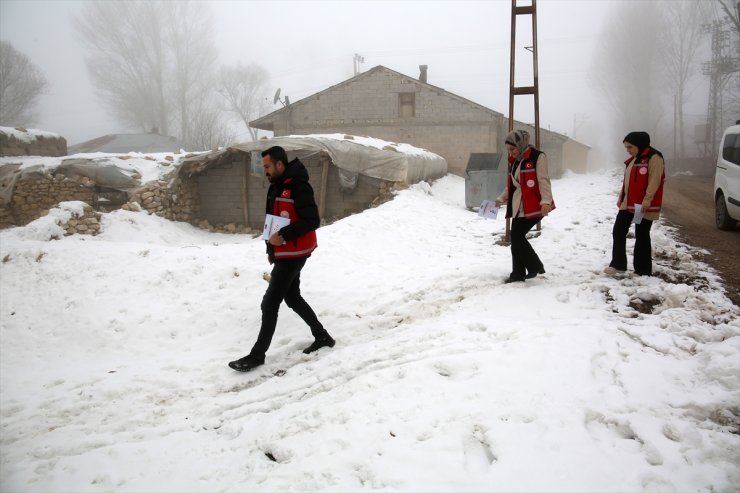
<point x="483" y="178"/>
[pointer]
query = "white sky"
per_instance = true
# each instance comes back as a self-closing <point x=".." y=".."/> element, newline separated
<point x="113" y="371"/>
<point x="307" y="46"/>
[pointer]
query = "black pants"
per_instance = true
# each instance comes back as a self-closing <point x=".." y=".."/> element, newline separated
<point x="642" y="261"/>
<point x="285" y="284"/>
<point x="523" y="257"/>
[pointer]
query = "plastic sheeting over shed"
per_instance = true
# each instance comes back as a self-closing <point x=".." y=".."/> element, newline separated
<point x="348" y="174"/>
<point x="355" y="155"/>
<point x="106" y="172"/>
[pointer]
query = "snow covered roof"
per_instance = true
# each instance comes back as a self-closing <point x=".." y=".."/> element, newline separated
<point x="118" y="171"/>
<point x="150" y="142"/>
<point x="364" y="155"/>
<point x="28" y="134"/>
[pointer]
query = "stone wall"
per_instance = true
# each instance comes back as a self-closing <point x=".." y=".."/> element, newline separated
<point x="87" y="224"/>
<point x="36" y="193"/>
<point x="35" y="145"/>
<point x="6" y="217"/>
<point x="179" y="204"/>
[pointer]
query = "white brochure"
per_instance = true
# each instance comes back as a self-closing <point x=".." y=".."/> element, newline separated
<point x="638" y="214"/>
<point x="488" y="209"/>
<point x="273" y="224"/>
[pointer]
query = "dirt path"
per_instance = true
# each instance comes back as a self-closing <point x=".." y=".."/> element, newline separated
<point x="688" y="204"/>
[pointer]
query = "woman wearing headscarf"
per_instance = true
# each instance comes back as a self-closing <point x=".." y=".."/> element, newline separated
<point x="528" y="198"/>
<point x="642" y="191"/>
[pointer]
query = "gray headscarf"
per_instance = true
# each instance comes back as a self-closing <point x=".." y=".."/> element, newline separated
<point x="518" y="139"/>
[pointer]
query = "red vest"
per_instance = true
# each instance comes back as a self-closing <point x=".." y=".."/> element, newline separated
<point x="638" y="183"/>
<point x="301" y="246"/>
<point x="529" y="185"/>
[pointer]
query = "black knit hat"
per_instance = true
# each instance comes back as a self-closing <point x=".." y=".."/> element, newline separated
<point x="641" y="140"/>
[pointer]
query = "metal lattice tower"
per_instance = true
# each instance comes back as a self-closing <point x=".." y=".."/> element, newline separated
<point x="724" y="64"/>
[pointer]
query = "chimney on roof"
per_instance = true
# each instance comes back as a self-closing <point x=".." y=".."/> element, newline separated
<point x="423" y="73"/>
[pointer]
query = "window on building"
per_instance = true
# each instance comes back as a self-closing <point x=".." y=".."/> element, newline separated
<point x="406" y="104"/>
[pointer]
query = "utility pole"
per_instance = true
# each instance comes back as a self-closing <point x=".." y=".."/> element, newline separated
<point x="534" y="90"/>
<point x="675" y="126"/>
<point x="578" y="118"/>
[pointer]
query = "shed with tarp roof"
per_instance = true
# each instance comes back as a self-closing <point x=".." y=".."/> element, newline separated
<point x="348" y="174"/>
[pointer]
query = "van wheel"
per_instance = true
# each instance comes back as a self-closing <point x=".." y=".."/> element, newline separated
<point x="721" y="216"/>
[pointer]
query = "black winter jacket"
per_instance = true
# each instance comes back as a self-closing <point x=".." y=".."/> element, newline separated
<point x="295" y="178"/>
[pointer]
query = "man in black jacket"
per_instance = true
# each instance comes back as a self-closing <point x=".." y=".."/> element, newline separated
<point x="289" y="196"/>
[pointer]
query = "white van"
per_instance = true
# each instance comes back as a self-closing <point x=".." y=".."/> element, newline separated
<point x="727" y="179"/>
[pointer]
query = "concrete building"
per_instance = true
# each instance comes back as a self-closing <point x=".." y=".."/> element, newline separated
<point x="386" y="104"/>
<point x="575" y="156"/>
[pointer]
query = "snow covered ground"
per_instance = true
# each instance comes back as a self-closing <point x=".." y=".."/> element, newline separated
<point x="113" y="353"/>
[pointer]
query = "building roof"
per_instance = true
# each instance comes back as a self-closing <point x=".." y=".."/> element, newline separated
<point x="115" y="143"/>
<point x="266" y="122"/>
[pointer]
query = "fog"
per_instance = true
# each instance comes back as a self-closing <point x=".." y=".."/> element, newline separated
<point x="307" y="46"/>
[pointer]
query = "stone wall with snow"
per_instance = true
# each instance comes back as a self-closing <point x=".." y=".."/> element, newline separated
<point x="20" y="141"/>
<point x="35" y="193"/>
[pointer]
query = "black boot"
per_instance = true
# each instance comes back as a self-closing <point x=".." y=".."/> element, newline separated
<point x="325" y="341"/>
<point x="533" y="273"/>
<point x="246" y="363"/>
<point x="513" y="278"/>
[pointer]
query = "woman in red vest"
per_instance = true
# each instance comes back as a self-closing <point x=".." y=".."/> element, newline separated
<point x="640" y="200"/>
<point x="528" y="198"/>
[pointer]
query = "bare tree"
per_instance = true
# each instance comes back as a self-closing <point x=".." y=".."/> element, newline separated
<point x="208" y="129"/>
<point x="194" y="58"/>
<point x="127" y="60"/>
<point x="731" y="12"/>
<point x="244" y="88"/>
<point x="150" y="60"/>
<point x="21" y="84"/>
<point x="627" y="66"/>
<point x="679" y="49"/>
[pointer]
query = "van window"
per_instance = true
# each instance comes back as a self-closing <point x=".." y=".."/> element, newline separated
<point x="731" y="148"/>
